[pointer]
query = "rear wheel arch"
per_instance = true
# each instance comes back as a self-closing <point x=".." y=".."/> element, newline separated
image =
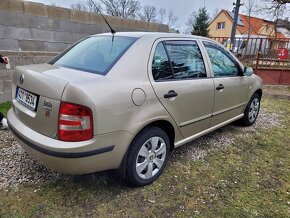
<point x="165" y="125"/>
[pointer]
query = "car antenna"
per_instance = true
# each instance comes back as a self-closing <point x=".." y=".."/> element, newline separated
<point x="112" y="30"/>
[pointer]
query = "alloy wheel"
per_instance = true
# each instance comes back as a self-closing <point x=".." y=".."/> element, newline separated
<point x="254" y="109"/>
<point x="151" y="157"/>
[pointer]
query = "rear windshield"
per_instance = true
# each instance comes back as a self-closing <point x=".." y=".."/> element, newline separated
<point x="96" y="54"/>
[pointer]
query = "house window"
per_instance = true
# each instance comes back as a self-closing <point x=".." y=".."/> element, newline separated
<point x="220" y="25"/>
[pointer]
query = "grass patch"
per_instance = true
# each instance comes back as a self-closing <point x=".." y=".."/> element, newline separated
<point x="248" y="179"/>
<point x="4" y="107"/>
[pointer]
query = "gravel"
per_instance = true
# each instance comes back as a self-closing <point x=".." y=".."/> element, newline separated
<point x="18" y="168"/>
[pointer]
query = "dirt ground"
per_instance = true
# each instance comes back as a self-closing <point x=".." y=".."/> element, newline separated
<point x="280" y="91"/>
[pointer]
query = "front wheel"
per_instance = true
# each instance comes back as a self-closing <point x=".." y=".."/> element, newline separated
<point x="251" y="111"/>
<point x="147" y="156"/>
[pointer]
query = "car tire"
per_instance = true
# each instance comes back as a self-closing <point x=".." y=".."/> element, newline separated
<point x="252" y="111"/>
<point x="147" y="156"/>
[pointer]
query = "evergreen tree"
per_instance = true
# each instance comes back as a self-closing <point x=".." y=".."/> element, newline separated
<point x="200" y="22"/>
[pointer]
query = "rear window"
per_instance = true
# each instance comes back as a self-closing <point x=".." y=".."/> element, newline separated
<point x="96" y="54"/>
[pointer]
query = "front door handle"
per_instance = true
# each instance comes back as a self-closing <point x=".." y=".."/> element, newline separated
<point x="170" y="94"/>
<point x="220" y="87"/>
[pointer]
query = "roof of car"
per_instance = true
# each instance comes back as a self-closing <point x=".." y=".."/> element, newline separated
<point x="155" y="34"/>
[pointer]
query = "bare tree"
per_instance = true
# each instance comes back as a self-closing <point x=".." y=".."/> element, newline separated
<point x="53" y="4"/>
<point x="149" y="13"/>
<point x="80" y="6"/>
<point x="128" y="9"/>
<point x="249" y="6"/>
<point x="122" y="8"/>
<point x="190" y="23"/>
<point x="93" y="6"/>
<point x="166" y="18"/>
<point x="161" y="15"/>
<point x="89" y="6"/>
<point x="249" y="10"/>
<point x="277" y="9"/>
<point x="171" y="19"/>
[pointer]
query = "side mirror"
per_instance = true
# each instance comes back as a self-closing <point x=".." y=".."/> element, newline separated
<point x="248" y="71"/>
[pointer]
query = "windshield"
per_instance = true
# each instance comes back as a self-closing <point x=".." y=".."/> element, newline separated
<point x="96" y="54"/>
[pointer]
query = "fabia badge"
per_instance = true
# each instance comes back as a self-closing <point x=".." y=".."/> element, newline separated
<point x="47" y="108"/>
<point x="21" y="79"/>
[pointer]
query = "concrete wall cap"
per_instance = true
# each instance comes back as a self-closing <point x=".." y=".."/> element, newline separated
<point x="58" y="13"/>
<point x="16" y="6"/>
<point x="4" y="6"/>
<point x="79" y="16"/>
<point x="37" y="9"/>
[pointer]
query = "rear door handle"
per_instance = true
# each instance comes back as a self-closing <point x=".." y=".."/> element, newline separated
<point x="220" y="87"/>
<point x="170" y="94"/>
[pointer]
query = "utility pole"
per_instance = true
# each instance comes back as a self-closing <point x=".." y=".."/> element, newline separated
<point x="234" y="27"/>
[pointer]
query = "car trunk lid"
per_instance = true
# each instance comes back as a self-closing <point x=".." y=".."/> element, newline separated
<point x="37" y="93"/>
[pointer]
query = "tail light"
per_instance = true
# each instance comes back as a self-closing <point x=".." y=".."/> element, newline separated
<point x="75" y="122"/>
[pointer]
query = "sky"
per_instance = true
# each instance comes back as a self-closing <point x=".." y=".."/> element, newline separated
<point x="182" y="9"/>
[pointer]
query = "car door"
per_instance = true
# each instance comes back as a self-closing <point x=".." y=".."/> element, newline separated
<point x="231" y="86"/>
<point x="179" y="78"/>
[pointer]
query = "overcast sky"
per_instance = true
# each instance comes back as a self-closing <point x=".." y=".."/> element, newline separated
<point x="181" y="8"/>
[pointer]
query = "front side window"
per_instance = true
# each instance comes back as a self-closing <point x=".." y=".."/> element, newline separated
<point x="96" y="54"/>
<point x="222" y="63"/>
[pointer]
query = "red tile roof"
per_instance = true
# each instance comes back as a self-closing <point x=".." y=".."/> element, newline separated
<point x="281" y="35"/>
<point x="252" y="25"/>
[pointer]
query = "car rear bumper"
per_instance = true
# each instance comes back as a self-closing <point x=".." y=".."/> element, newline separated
<point x="103" y="152"/>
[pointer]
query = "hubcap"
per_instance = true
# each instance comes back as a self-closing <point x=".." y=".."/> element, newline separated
<point x="254" y="110"/>
<point x="151" y="157"/>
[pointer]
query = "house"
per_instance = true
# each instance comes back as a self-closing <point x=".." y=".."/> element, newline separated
<point x="221" y="26"/>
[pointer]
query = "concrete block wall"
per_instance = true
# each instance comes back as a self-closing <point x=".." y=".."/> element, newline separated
<point x="17" y="59"/>
<point x="29" y="26"/>
<point x="5" y="84"/>
<point x="32" y="33"/>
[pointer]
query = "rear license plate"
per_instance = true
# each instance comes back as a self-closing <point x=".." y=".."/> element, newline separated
<point x="26" y="98"/>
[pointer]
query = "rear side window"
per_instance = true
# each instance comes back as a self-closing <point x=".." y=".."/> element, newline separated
<point x="96" y="54"/>
<point x="222" y="63"/>
<point x="177" y="60"/>
<point x="186" y="60"/>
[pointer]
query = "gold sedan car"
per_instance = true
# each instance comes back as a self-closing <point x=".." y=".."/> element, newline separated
<point x="125" y="101"/>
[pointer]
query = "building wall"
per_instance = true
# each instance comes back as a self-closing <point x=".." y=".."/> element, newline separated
<point x="32" y="33"/>
<point x="226" y="32"/>
<point x="268" y="30"/>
